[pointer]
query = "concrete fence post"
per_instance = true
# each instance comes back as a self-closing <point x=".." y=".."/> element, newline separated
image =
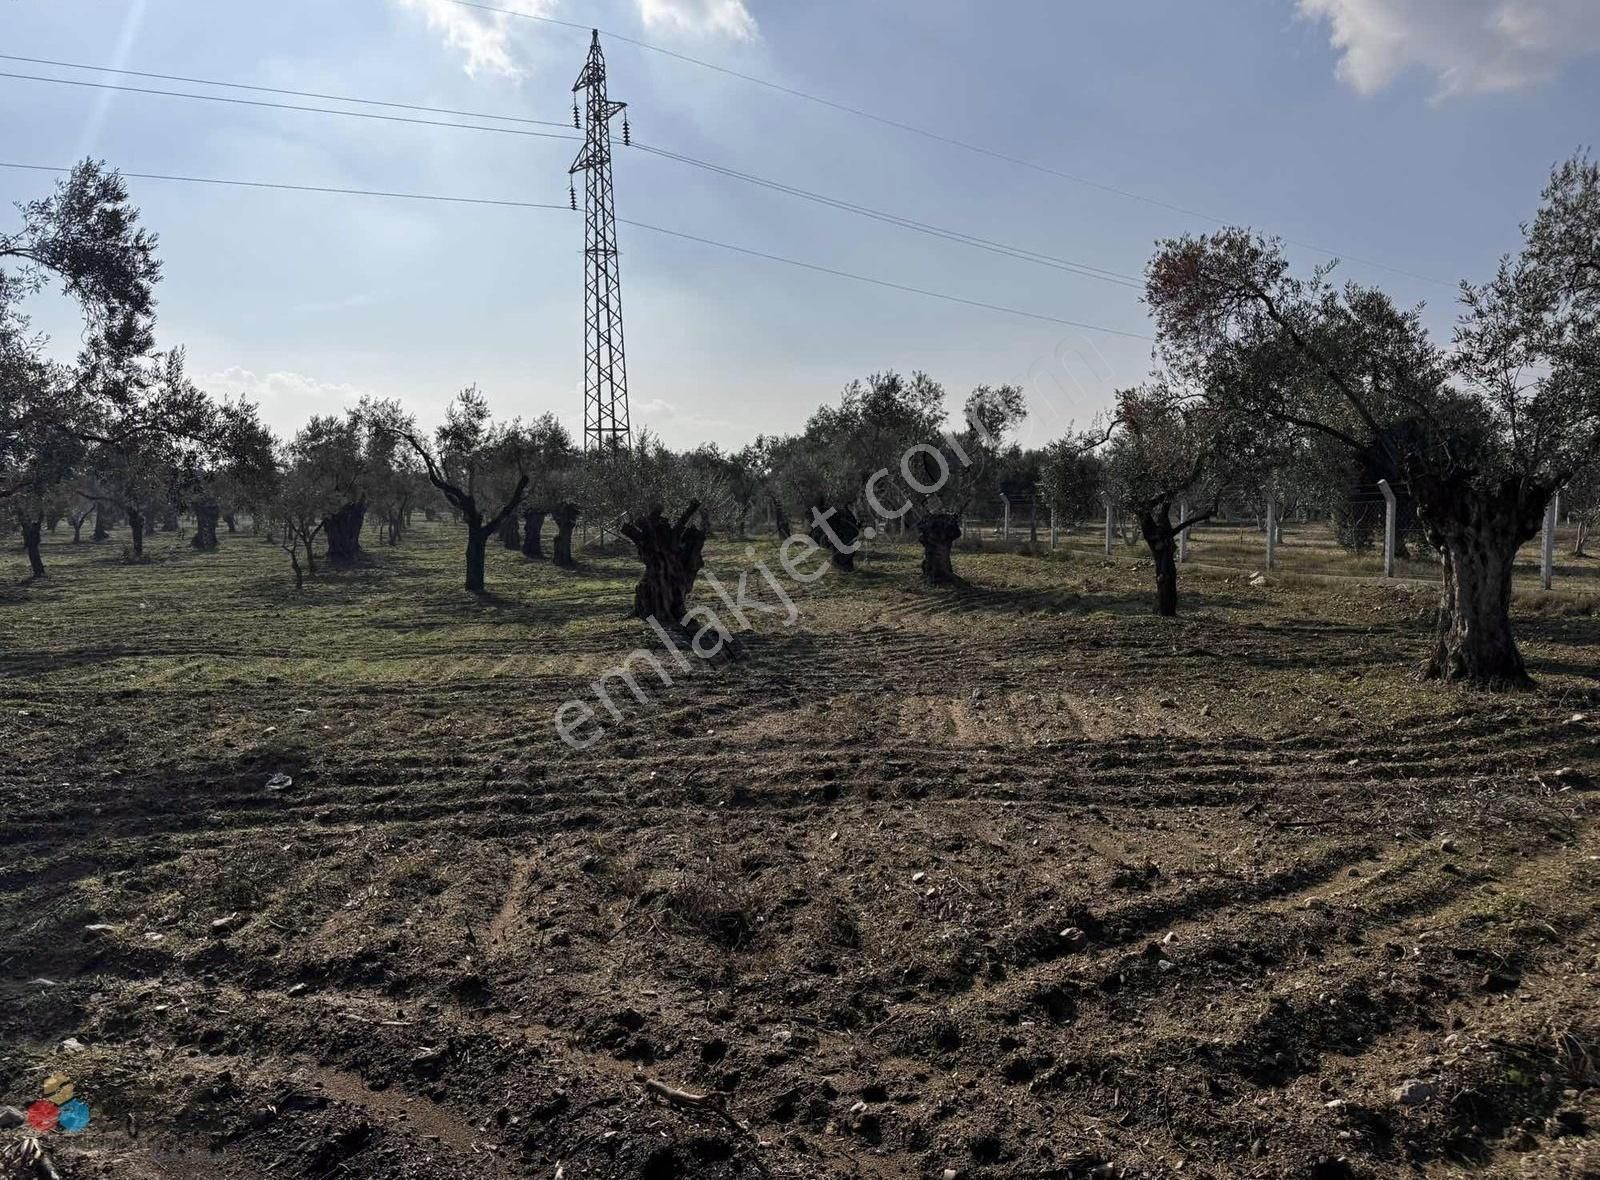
<point x="1111" y="522"/>
<point x="1272" y="531"/>
<point x="1052" y="526"/>
<point x="1547" y="550"/>
<point x="1389" y="515"/>
<point x="1005" y="517"/>
<point x="1183" y="534"/>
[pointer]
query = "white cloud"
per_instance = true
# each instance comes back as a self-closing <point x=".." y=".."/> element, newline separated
<point x="286" y="399"/>
<point x="1470" y="46"/>
<point x="720" y="18"/>
<point x="484" y="37"/>
<point x="655" y="408"/>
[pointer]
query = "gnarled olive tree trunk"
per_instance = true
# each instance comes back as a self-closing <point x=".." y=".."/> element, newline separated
<point x="101" y="533"/>
<point x="938" y="532"/>
<point x="566" y="517"/>
<point x="672" y="556"/>
<point x="533" y="532"/>
<point x="343" y="531"/>
<point x="845" y="529"/>
<point x="205" y="527"/>
<point x="478" y="535"/>
<point x="30" y="542"/>
<point x="1161" y="537"/>
<point x="510" y="534"/>
<point x="1479" y="533"/>
<point x="136" y="528"/>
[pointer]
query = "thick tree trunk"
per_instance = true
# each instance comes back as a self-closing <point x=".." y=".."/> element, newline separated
<point x="1161" y="537"/>
<point x="169" y="519"/>
<point x="1583" y="537"/>
<point x="136" y="527"/>
<point x="232" y="522"/>
<point x="1479" y="534"/>
<point x="30" y="541"/>
<point x="205" y="527"/>
<point x="780" y="520"/>
<point x="1473" y="640"/>
<point x="343" y="530"/>
<point x="533" y="532"/>
<point x="938" y="533"/>
<point x="100" y="531"/>
<point x="477" y="546"/>
<point x="510" y="537"/>
<point x="77" y="529"/>
<point x="566" y="518"/>
<point x="846" y="528"/>
<point x="672" y="556"/>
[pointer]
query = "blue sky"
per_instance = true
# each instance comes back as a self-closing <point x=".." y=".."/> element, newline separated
<point x="1414" y="133"/>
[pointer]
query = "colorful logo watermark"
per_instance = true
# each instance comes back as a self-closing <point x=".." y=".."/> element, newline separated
<point x="59" y="1109"/>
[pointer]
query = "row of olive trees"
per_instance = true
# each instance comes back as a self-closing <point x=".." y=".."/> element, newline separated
<point x="1264" y="370"/>
<point x="1260" y="370"/>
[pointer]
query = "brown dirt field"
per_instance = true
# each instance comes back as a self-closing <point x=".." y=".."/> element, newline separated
<point x="829" y="881"/>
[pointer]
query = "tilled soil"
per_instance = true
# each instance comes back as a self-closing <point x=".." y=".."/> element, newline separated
<point x="1004" y="881"/>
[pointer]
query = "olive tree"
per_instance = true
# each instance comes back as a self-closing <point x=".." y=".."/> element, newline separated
<point x="480" y="468"/>
<point x="1482" y="438"/>
<point x="1171" y="458"/>
<point x="552" y="463"/>
<point x="654" y="496"/>
<point x="86" y="236"/>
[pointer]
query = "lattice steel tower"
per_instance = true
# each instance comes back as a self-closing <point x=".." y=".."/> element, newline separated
<point x="605" y="369"/>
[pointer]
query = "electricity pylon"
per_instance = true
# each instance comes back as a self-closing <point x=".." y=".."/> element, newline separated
<point x="605" y="368"/>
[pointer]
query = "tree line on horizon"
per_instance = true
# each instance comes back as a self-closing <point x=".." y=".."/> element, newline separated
<point x="1266" y="383"/>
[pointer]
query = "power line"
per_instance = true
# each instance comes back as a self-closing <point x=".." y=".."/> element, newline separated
<point x="371" y="102"/>
<point x="306" y="188"/>
<point x="1016" y="252"/>
<point x="886" y="283"/>
<point x="811" y="266"/>
<point x="281" y="106"/>
<point x="1082" y="269"/>
<point x="913" y="129"/>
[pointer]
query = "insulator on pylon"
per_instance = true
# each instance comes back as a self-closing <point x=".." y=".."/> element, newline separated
<point x="572" y="195"/>
<point x="575" y="122"/>
<point x="626" y="141"/>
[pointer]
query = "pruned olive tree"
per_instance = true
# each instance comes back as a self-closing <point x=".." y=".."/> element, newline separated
<point x="552" y="460"/>
<point x="654" y="497"/>
<point x="943" y="474"/>
<point x="1171" y="458"/>
<point x="353" y="459"/>
<point x="480" y="467"/>
<point x="238" y="467"/>
<point x="822" y="473"/>
<point x="1482" y="438"/>
<point x="149" y="428"/>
